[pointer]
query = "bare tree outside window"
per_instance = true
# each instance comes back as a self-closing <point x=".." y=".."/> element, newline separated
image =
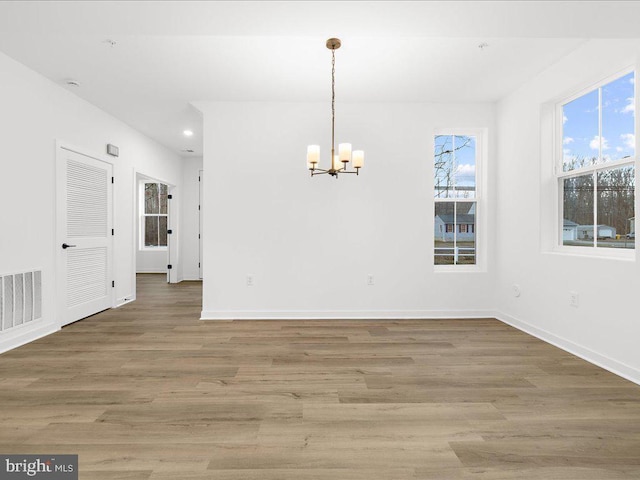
<point x="155" y="215"/>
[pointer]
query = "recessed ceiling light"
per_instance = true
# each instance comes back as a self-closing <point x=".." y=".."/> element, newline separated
<point x="188" y="133"/>
<point x="111" y="43"/>
<point x="483" y="45"/>
<point x="72" y="83"/>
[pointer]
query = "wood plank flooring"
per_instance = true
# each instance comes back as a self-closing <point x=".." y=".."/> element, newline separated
<point x="149" y="392"/>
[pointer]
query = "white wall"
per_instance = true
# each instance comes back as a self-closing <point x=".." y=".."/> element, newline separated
<point x="190" y="243"/>
<point x="605" y="328"/>
<point x="35" y="113"/>
<point x="310" y="243"/>
<point x="151" y="261"/>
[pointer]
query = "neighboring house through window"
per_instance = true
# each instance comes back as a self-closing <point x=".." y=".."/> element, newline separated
<point x="596" y="168"/>
<point x="154" y="218"/>
<point x="456" y="196"/>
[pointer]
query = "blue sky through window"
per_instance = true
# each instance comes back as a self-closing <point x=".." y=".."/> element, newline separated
<point x="581" y="139"/>
<point x="466" y="162"/>
<point x="455" y="166"/>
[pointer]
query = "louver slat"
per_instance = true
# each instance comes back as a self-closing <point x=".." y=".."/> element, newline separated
<point x="86" y="275"/>
<point x="86" y="200"/>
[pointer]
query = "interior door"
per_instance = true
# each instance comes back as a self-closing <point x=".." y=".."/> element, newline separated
<point x="85" y="235"/>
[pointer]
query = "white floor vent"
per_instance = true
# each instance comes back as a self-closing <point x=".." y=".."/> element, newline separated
<point x="20" y="299"/>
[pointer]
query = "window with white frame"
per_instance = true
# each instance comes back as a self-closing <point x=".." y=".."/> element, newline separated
<point x="596" y="169"/>
<point x="456" y="197"/>
<point x="154" y="217"/>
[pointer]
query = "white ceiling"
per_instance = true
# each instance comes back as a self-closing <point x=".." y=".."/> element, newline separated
<point x="168" y="54"/>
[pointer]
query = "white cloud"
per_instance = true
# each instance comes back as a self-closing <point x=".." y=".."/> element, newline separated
<point x="466" y="169"/>
<point x="594" y="144"/>
<point x="629" y="140"/>
<point x="619" y="149"/>
<point x="632" y="80"/>
<point x="564" y="119"/>
<point x="630" y="107"/>
<point x="567" y="140"/>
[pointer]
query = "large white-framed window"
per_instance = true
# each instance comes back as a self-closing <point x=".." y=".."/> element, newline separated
<point x="458" y="199"/>
<point x="595" y="146"/>
<point x="153" y="220"/>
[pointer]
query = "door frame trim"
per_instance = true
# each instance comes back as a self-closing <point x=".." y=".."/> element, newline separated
<point x="200" y="221"/>
<point x="173" y="256"/>
<point x="60" y="146"/>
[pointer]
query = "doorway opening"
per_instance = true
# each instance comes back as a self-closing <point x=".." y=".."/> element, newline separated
<point x="155" y="238"/>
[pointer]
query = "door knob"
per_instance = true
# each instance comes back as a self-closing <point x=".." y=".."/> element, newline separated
<point x="66" y="245"/>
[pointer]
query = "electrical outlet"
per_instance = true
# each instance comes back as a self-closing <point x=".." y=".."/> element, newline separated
<point x="370" y="280"/>
<point x="250" y="280"/>
<point x="573" y="299"/>
<point x="516" y="290"/>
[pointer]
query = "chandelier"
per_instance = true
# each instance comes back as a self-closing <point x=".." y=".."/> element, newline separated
<point x="340" y="160"/>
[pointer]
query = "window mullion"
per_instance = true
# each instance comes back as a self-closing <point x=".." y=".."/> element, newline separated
<point x="453" y="166"/>
<point x="600" y="125"/>
<point x="609" y="165"/>
<point x="455" y="233"/>
<point x="595" y="172"/>
<point x="159" y="212"/>
<point x="455" y="199"/>
<point x="595" y="208"/>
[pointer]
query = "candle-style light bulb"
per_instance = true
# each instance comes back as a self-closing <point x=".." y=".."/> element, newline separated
<point x="313" y="154"/>
<point x="344" y="150"/>
<point x="336" y="162"/>
<point x="358" y="158"/>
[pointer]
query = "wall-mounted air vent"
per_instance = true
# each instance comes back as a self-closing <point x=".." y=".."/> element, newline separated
<point x="20" y="299"/>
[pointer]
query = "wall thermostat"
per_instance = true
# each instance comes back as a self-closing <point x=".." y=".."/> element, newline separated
<point x="113" y="150"/>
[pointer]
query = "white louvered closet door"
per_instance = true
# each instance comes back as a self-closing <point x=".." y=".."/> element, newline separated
<point x="85" y="213"/>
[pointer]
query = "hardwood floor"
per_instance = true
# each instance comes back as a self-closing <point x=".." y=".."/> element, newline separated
<point x="148" y="391"/>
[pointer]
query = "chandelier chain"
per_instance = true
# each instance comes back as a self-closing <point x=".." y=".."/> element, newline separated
<point x="333" y="100"/>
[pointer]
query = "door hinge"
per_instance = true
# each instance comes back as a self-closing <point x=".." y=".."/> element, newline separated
<point x="169" y="197"/>
<point x="198" y="264"/>
<point x="198" y="207"/>
<point x="198" y="235"/>
<point x="169" y="232"/>
<point x="199" y="178"/>
<point x="113" y="231"/>
<point x="112" y="180"/>
<point x="113" y="283"/>
<point x="169" y="267"/>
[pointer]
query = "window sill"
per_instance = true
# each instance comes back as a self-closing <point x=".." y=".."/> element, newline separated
<point x="458" y="269"/>
<point x="627" y="254"/>
<point x="152" y="249"/>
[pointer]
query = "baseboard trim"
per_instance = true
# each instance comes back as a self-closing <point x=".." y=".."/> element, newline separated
<point x="614" y="366"/>
<point x="123" y="301"/>
<point x="26" y="334"/>
<point x="345" y="315"/>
